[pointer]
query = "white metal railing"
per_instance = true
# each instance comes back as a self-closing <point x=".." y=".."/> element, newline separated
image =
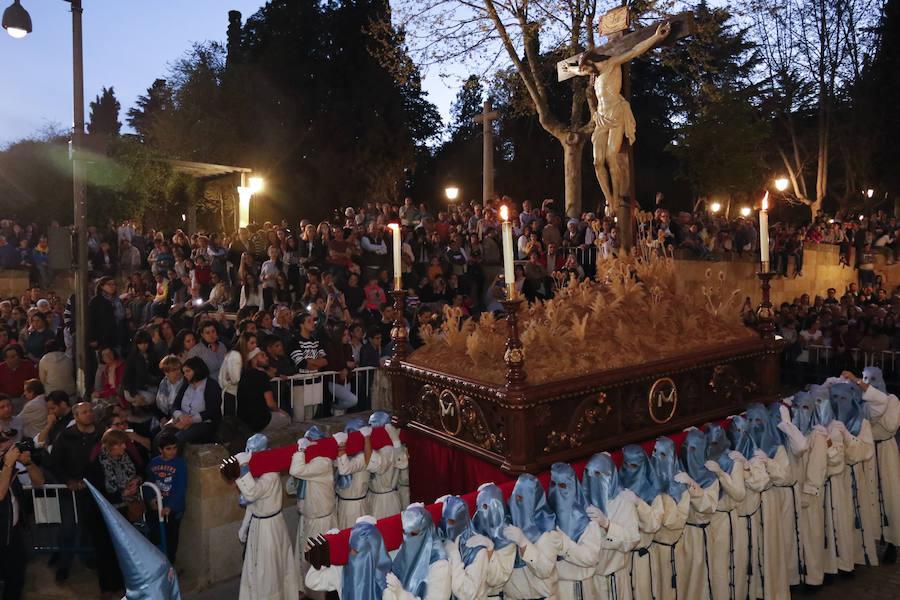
<point x="306" y="390"/>
<point x="50" y="516"/>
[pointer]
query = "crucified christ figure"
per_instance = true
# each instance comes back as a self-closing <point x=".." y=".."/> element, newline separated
<point x="613" y="118"/>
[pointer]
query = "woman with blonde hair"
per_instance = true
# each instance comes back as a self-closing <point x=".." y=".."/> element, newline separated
<point x="232" y="367"/>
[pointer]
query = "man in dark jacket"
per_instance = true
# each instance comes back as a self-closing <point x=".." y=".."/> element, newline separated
<point x="70" y="457"/>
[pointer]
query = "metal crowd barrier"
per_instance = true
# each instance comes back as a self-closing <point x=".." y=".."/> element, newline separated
<point x="824" y="362"/>
<point x="301" y="394"/>
<point x="55" y="507"/>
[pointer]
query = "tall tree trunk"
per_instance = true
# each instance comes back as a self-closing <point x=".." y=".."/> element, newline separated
<point x="573" y="152"/>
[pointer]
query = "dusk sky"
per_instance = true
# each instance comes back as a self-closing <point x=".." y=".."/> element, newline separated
<point x="127" y="45"/>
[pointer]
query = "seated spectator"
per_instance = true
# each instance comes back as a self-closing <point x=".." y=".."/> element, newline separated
<point x="10" y="423"/>
<point x="196" y="411"/>
<point x="110" y="376"/>
<point x="140" y="380"/>
<point x="34" y="413"/>
<point x="256" y="405"/>
<point x="208" y="348"/>
<point x="137" y="446"/>
<point x="171" y="384"/>
<point x="38" y="334"/>
<point x="370" y="353"/>
<point x="56" y="370"/>
<point x="15" y="371"/>
<point x="340" y="359"/>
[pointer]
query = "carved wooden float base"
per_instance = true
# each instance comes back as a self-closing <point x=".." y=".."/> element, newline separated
<point x="527" y="428"/>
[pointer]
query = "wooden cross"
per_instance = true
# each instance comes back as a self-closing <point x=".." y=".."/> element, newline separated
<point x="683" y="25"/>
<point x="486" y="118"/>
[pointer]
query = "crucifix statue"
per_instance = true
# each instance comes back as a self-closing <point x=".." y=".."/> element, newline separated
<point x="613" y="119"/>
<point x="487" y="118"/>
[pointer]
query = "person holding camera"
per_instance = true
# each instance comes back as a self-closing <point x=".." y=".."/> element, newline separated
<point x="16" y="461"/>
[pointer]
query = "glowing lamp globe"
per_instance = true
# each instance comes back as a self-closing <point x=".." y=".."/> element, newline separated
<point x="16" y="20"/>
<point x="781" y="184"/>
<point x="452" y="193"/>
<point x="716" y="207"/>
<point x="745" y="212"/>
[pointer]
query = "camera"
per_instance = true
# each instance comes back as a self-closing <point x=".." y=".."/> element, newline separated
<point x="26" y="445"/>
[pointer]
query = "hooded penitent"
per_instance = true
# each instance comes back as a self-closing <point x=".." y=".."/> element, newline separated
<point x="739" y="435"/>
<point x="567" y="500"/>
<point x="491" y="516"/>
<point x="421" y="547"/>
<point x="802" y="410"/>
<point x="693" y="457"/>
<point x="255" y="443"/>
<point x="764" y="433"/>
<point x="364" y="576"/>
<point x="636" y="473"/>
<point x="343" y="481"/>
<point x="601" y="481"/>
<point x="874" y="377"/>
<point x="717" y="446"/>
<point x="666" y="465"/>
<point x="528" y="508"/>
<point x="312" y="434"/>
<point x="456" y="524"/>
<point x="379" y="419"/>
<point x="846" y="402"/>
<point x="823" y="414"/>
<point x="146" y="571"/>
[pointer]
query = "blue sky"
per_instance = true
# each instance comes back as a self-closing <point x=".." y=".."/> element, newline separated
<point x="127" y="44"/>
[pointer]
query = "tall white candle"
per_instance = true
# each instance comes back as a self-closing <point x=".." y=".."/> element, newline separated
<point x="395" y="238"/>
<point x="509" y="273"/>
<point x="764" y="233"/>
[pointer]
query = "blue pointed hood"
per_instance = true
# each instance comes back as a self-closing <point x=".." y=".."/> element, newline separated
<point x="600" y="481"/>
<point x="146" y="571"/>
<point x="717" y="446"/>
<point x="365" y="574"/>
<point x="739" y="436"/>
<point x="379" y="418"/>
<point x="846" y="402"/>
<point x="803" y="408"/>
<point x="874" y="377"/>
<point x="693" y="456"/>
<point x="312" y="434"/>
<point x="636" y="473"/>
<point x="456" y="523"/>
<point x="256" y="443"/>
<point x="529" y="509"/>
<point x="762" y="430"/>
<point x="823" y="414"/>
<point x="666" y="465"/>
<point x="567" y="500"/>
<point x="491" y="516"/>
<point x="421" y="547"/>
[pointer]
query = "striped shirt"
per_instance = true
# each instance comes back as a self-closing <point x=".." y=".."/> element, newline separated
<point x="304" y="350"/>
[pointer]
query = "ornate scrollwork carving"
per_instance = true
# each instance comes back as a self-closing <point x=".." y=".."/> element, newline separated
<point x="425" y="409"/>
<point x="727" y="383"/>
<point x="472" y="417"/>
<point x="590" y="412"/>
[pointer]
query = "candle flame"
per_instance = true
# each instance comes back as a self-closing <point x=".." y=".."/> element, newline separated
<point x="765" y="202"/>
<point x="504" y="213"/>
<point x="394" y="226"/>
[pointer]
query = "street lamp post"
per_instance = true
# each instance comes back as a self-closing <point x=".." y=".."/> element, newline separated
<point x="452" y="193"/>
<point x="17" y="23"/>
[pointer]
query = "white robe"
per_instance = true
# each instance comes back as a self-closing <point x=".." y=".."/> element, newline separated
<point x="352" y="501"/>
<point x="640" y="565"/>
<point x="884" y="413"/>
<point x="317" y="510"/>
<point x="662" y="551"/>
<point x="858" y="449"/>
<point x="500" y="568"/>
<point x="776" y="519"/>
<point x="384" y="501"/>
<point x="467" y="582"/>
<point x="812" y="513"/>
<point x="721" y="530"/>
<point x="538" y="578"/>
<point x="578" y="562"/>
<point x="691" y="553"/>
<point x="748" y="532"/>
<point x="402" y="465"/>
<point x="269" y="571"/>
<point x="330" y="579"/>
<point x="790" y="490"/>
<point x="838" y="506"/>
<point x="610" y="580"/>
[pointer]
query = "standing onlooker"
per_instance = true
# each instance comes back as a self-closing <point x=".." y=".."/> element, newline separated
<point x="105" y="316"/>
<point x="12" y="503"/>
<point x="56" y="370"/>
<point x="69" y="460"/>
<point x="169" y="472"/>
<point x="232" y="367"/>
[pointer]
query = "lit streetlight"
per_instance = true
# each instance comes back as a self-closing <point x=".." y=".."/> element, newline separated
<point x="16" y="20"/>
<point x="781" y="184"/>
<point x="745" y="212"/>
<point x="452" y="193"/>
<point x="256" y="184"/>
<point x="870" y="192"/>
<point x="715" y="207"/>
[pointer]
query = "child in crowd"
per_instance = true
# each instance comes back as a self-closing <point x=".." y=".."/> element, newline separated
<point x="169" y="472"/>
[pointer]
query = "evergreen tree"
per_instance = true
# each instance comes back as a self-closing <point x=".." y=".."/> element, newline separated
<point x="150" y="109"/>
<point x="465" y="108"/>
<point x="104" y="114"/>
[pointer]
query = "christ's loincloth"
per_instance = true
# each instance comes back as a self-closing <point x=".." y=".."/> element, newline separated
<point x="617" y="115"/>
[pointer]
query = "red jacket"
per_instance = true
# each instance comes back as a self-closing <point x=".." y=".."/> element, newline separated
<point x="12" y="382"/>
